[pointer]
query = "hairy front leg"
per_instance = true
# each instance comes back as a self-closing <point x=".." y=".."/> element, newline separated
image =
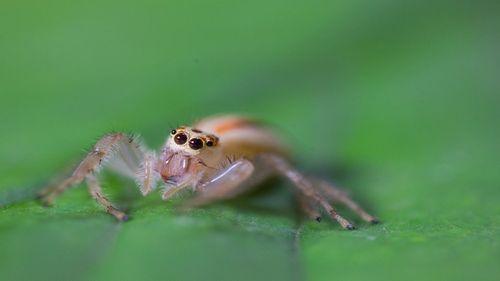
<point x="102" y="151"/>
<point x="95" y="191"/>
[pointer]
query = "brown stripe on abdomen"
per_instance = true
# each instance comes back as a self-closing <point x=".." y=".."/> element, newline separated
<point x="233" y="124"/>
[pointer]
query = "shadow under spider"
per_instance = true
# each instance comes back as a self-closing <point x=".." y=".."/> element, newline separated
<point x="271" y="198"/>
<point x="275" y="198"/>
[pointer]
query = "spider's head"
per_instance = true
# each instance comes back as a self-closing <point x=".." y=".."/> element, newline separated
<point x="191" y="141"/>
<point x="183" y="154"/>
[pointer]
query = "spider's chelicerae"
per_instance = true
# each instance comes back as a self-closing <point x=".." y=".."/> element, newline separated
<point x="198" y="157"/>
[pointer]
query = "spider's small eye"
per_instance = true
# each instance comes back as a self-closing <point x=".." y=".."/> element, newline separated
<point x="195" y="143"/>
<point x="180" y="138"/>
<point x="210" y="143"/>
<point x="173" y="132"/>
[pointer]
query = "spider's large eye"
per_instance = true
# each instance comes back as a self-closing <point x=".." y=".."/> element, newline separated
<point x="195" y="143"/>
<point x="180" y="138"/>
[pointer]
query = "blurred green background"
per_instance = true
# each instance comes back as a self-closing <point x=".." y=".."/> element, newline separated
<point x="397" y="100"/>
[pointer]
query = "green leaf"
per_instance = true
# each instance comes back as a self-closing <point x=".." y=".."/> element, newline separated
<point x="396" y="101"/>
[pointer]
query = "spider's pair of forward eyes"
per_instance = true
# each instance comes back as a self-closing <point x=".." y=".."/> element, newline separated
<point x="194" y="143"/>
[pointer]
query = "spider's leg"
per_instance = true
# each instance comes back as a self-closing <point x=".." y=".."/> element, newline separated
<point x="116" y="144"/>
<point x="168" y="193"/>
<point x="307" y="207"/>
<point x="96" y="192"/>
<point x="338" y="195"/>
<point x="226" y="184"/>
<point x="284" y="169"/>
<point x="146" y="177"/>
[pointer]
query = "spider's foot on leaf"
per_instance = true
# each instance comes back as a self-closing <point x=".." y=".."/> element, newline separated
<point x="119" y="215"/>
<point x="125" y="218"/>
<point x="350" y="227"/>
<point x="343" y="222"/>
<point x="45" y="200"/>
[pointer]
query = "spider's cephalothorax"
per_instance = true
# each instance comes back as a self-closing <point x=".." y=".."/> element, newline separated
<point x="219" y="157"/>
<point x="182" y="160"/>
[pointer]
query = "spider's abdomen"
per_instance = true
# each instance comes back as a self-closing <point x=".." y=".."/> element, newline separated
<point x="242" y="136"/>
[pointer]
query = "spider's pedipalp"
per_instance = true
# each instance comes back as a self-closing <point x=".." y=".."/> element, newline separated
<point x="146" y="176"/>
<point x="225" y="184"/>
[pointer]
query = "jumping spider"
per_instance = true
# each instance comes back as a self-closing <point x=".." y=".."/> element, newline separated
<point x="219" y="157"/>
